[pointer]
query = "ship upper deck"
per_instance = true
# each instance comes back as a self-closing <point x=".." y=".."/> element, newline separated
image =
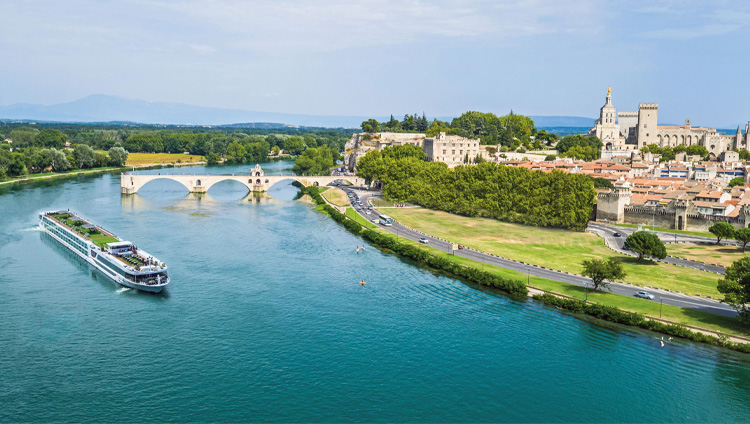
<point x="85" y="229"/>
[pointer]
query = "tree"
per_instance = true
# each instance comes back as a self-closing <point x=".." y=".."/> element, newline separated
<point x="16" y="167"/>
<point x="22" y="137"/>
<point x="743" y="236"/>
<point x="744" y="154"/>
<point x="84" y="156"/>
<point x="294" y="145"/>
<point x="721" y="230"/>
<point x="645" y="243"/>
<point x="236" y="153"/>
<point x="600" y="182"/>
<point x="737" y="181"/>
<point x="58" y="161"/>
<point x="549" y="158"/>
<point x="117" y="156"/>
<point x="735" y="286"/>
<point x="275" y="150"/>
<point x="213" y="158"/>
<point x="600" y="270"/>
<point x="370" y="126"/>
<point x="50" y="138"/>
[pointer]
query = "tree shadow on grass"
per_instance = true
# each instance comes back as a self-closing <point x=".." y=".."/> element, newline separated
<point x="634" y="261"/>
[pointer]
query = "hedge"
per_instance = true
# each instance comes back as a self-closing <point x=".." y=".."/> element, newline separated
<point x="513" y="287"/>
<point x="610" y="313"/>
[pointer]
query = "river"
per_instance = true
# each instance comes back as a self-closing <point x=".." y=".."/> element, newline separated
<point x="264" y="320"/>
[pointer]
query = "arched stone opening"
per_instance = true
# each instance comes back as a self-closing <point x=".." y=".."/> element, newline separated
<point x="257" y="174"/>
<point x="257" y="181"/>
<point x="198" y="182"/>
<point x="679" y="223"/>
<point x="315" y="183"/>
<point x="266" y="180"/>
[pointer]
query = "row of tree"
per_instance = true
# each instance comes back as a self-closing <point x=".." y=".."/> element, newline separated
<point x="36" y="160"/>
<point x="196" y="141"/>
<point x="555" y="199"/>
<point x="669" y="153"/>
<point x="509" y="131"/>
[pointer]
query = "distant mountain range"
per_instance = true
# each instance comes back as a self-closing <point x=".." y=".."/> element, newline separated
<point x="104" y="108"/>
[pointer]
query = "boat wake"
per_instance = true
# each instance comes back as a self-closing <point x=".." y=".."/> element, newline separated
<point x="34" y="228"/>
<point x="123" y="290"/>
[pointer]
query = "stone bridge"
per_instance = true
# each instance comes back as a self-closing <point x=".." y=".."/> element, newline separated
<point x="257" y="181"/>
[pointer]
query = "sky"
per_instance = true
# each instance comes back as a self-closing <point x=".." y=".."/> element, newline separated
<point x="374" y="58"/>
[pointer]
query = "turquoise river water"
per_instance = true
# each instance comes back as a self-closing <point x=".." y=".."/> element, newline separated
<point x="264" y="320"/>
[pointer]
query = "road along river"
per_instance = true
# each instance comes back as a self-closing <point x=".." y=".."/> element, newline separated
<point x="265" y="321"/>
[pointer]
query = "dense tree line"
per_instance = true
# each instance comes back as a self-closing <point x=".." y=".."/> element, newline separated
<point x="509" y="131"/>
<point x="555" y="199"/>
<point x="199" y="141"/>
<point x="316" y="161"/>
<point x="33" y="160"/>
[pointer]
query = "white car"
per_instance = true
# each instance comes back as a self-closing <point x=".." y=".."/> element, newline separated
<point x="424" y="240"/>
<point x="644" y="295"/>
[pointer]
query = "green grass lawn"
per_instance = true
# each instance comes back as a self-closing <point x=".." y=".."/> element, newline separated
<point x="352" y="214"/>
<point x="336" y="196"/>
<point x="632" y="304"/>
<point x="101" y="240"/>
<point x="558" y="249"/>
<point x="709" y="253"/>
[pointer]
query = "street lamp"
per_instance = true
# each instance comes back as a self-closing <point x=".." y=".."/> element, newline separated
<point x="586" y="289"/>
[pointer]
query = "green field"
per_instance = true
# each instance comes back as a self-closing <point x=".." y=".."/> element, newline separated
<point x="352" y="214"/>
<point x="558" y="249"/>
<point x="336" y="196"/>
<point x="161" y="158"/>
<point x="708" y="253"/>
<point x="672" y="313"/>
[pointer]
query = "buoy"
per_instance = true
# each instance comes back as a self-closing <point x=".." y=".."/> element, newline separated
<point x="363" y="283"/>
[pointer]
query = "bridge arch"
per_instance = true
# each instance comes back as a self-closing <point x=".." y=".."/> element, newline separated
<point x="138" y="184"/>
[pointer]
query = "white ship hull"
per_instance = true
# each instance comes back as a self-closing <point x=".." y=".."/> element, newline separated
<point x="119" y="279"/>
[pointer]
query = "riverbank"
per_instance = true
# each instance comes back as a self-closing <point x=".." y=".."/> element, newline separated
<point x="68" y="174"/>
<point x="721" y="330"/>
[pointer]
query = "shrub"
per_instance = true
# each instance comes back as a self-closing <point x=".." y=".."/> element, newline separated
<point x="610" y="313"/>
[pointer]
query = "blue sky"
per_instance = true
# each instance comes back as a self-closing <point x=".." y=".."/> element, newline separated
<point x="344" y="57"/>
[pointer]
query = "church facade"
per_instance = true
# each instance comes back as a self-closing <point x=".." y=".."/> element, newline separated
<point x="624" y="132"/>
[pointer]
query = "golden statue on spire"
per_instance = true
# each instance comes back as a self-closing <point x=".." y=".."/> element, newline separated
<point x="609" y="91"/>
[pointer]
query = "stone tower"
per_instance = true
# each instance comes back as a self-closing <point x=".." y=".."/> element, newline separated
<point x="607" y="129"/>
<point x="610" y="206"/>
<point x="647" y="123"/>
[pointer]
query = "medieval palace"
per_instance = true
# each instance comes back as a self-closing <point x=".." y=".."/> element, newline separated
<point x="622" y="132"/>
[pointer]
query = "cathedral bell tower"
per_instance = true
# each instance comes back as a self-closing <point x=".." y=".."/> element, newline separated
<point x="607" y="129"/>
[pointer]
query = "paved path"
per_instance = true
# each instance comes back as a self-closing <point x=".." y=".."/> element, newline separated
<point x="676" y="299"/>
<point x="607" y="232"/>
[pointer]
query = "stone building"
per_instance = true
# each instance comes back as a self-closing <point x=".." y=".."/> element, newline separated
<point x="452" y="149"/>
<point x="623" y="132"/>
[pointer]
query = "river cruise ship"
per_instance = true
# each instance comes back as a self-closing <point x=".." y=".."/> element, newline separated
<point x="118" y="259"/>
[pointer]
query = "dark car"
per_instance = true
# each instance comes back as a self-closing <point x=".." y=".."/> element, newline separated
<point x="460" y="247"/>
<point x="617" y="235"/>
